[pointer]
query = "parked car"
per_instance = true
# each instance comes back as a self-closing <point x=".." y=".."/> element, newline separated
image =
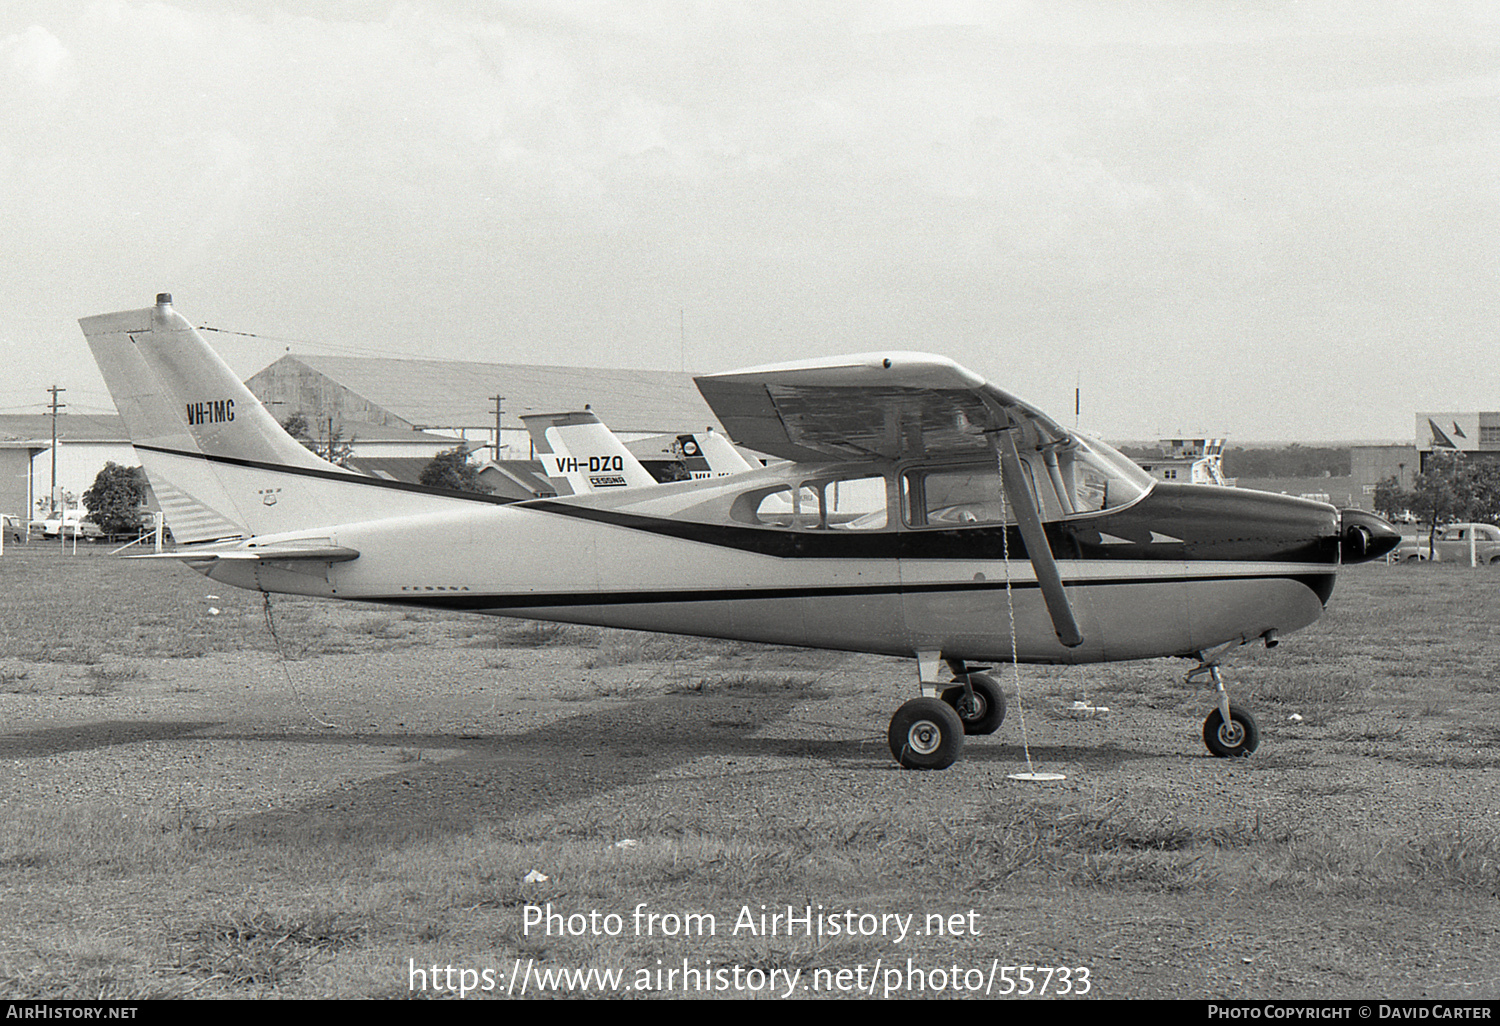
<point x="70" y="524"/>
<point x="14" y="529"/>
<point x="1413" y="548"/>
<point x="1452" y="543"/>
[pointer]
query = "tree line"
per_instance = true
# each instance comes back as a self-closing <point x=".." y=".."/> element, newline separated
<point x="1451" y="488"/>
<point x="448" y="469"/>
<point x="1283" y="461"/>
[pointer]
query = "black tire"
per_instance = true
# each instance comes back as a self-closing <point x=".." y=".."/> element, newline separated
<point x="1239" y="737"/>
<point x="981" y="712"/>
<point x="926" y="734"/>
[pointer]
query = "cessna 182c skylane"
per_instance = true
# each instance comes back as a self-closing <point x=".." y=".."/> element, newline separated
<point x="924" y="513"/>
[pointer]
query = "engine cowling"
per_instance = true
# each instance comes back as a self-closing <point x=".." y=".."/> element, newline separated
<point x="1363" y="536"/>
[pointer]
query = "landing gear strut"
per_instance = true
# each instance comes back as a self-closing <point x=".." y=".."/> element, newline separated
<point x="1229" y="731"/>
<point x="928" y="732"/>
<point x="978" y="701"/>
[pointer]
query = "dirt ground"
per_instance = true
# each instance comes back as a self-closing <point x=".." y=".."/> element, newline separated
<point x="428" y="741"/>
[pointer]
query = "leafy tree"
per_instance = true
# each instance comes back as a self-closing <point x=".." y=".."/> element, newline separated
<point x="334" y="448"/>
<point x="1450" y="488"/>
<point x="296" y="426"/>
<point x="1483" y="479"/>
<point x="1391" y="500"/>
<point x="115" y="500"/>
<point x="451" y="469"/>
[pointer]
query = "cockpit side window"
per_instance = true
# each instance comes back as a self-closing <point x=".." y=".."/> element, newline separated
<point x="1084" y="477"/>
<point x="956" y="496"/>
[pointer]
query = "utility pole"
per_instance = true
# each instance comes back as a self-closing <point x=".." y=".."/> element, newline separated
<point x="498" y="400"/>
<point x="54" y="406"/>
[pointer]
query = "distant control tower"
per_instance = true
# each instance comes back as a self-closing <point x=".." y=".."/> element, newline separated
<point x="1189" y="461"/>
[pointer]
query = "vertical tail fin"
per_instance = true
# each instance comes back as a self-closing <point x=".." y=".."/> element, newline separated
<point x="220" y="464"/>
<point x="719" y="452"/>
<point x="580" y="455"/>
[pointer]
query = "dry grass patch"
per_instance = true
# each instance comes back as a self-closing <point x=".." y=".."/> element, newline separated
<point x="260" y="949"/>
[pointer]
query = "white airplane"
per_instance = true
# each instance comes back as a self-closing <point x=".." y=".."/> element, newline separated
<point x="580" y="454"/>
<point x="709" y="454"/>
<point x="924" y="513"/>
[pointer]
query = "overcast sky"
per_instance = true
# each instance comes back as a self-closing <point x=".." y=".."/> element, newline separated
<point x="1270" y="220"/>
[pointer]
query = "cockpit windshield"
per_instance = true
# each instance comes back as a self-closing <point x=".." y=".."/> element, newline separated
<point x="1093" y="476"/>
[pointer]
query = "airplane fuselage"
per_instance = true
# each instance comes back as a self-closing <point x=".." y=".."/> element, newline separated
<point x="1182" y="570"/>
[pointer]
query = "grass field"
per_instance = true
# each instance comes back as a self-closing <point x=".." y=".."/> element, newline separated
<point x="196" y="807"/>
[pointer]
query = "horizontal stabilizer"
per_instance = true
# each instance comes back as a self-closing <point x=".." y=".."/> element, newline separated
<point x="319" y="554"/>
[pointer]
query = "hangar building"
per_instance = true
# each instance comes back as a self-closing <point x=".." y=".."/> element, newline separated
<point x="85" y="443"/>
<point x="1473" y="434"/>
<point x="457" y="399"/>
<point x="396" y="413"/>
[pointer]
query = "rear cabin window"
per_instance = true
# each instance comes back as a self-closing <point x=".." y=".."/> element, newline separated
<point x="835" y="504"/>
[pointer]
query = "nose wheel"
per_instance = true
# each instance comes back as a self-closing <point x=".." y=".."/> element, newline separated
<point x="1229" y="731"/>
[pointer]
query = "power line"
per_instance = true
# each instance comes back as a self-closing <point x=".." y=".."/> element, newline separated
<point x="54" y="406"/>
<point x="334" y="346"/>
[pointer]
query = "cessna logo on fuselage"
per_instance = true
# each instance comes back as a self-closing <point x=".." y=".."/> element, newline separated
<point x="215" y="411"/>
<point x="594" y="464"/>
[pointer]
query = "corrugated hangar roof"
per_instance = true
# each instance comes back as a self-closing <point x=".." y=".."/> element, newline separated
<point x="453" y="394"/>
<point x="98" y="427"/>
<point x="71" y="427"/>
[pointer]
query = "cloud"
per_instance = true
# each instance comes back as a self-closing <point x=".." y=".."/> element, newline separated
<point x="38" y="72"/>
<point x="1086" y="181"/>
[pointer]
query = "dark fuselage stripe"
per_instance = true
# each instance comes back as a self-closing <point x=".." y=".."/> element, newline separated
<point x="1220" y="528"/>
<point x="1069" y="540"/>
<point x="1319" y="584"/>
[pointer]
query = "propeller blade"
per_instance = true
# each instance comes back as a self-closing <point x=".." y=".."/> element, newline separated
<point x="1020" y="498"/>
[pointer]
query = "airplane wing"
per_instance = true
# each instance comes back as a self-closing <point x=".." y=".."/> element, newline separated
<point x="888" y="405"/>
<point x="893" y="406"/>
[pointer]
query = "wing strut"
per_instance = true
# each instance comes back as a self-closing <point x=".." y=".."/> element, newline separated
<point x="1021" y="500"/>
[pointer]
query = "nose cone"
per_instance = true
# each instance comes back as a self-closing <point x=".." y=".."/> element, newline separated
<point x="1364" y="536"/>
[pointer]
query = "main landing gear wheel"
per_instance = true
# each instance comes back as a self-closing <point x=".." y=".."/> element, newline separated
<point x="1240" y="736"/>
<point x="983" y="711"/>
<point x="926" y="734"/>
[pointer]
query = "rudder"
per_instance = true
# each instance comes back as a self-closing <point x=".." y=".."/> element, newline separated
<point x="220" y="464"/>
